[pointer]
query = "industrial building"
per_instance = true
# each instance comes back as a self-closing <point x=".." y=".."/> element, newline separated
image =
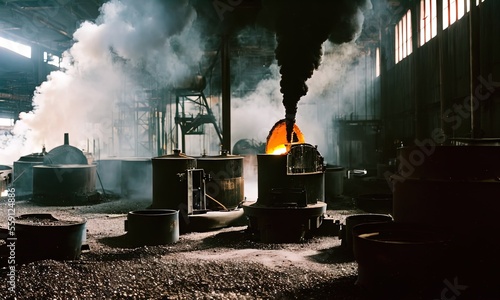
<point x="249" y="149"/>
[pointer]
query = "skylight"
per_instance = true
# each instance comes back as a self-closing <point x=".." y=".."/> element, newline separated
<point x="16" y="47"/>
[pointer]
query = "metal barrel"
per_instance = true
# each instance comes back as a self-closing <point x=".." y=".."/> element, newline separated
<point x="63" y="184"/>
<point x="225" y="188"/>
<point x="169" y="186"/>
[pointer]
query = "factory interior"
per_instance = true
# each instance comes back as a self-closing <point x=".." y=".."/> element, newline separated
<point x="249" y="149"/>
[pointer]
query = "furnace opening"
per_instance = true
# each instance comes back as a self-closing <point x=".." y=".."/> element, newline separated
<point x="277" y="143"/>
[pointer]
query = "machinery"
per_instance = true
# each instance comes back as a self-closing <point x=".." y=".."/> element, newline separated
<point x="290" y="204"/>
<point x="206" y="198"/>
<point x="65" y="177"/>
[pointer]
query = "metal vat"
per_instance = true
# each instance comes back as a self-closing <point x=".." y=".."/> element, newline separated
<point x="153" y="226"/>
<point x="454" y="187"/>
<point x="225" y="188"/>
<point x="64" y="184"/>
<point x="169" y="183"/>
<point x="23" y="174"/>
<point x="42" y="236"/>
<point x="401" y="261"/>
<point x="355" y="220"/>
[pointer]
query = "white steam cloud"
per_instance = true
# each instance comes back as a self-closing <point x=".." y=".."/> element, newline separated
<point x="133" y="45"/>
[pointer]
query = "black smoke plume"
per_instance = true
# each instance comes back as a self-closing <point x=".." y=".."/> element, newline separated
<point x="301" y="28"/>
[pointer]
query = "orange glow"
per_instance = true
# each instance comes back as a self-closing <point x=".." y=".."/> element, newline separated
<point x="276" y="140"/>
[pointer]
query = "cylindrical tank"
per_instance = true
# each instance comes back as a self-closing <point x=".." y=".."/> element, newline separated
<point x="109" y="171"/>
<point x="153" y="226"/>
<point x="273" y="178"/>
<point x="136" y="178"/>
<point x="354" y="220"/>
<point x="42" y="236"/>
<point x="63" y="184"/>
<point x="334" y="181"/>
<point x="23" y="174"/>
<point x="448" y="186"/>
<point x="399" y="260"/>
<point x="226" y="184"/>
<point x="169" y="188"/>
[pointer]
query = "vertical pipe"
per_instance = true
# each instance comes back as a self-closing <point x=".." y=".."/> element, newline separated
<point x="226" y="94"/>
<point x="475" y="69"/>
<point x="415" y="17"/>
<point x="442" y="90"/>
<point x="66" y="139"/>
<point x="365" y="74"/>
<point x="176" y="122"/>
<point x="158" y="130"/>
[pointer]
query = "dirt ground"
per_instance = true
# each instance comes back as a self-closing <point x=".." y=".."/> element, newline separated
<point x="219" y="264"/>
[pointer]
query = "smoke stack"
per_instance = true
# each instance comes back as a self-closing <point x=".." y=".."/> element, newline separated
<point x="66" y="139"/>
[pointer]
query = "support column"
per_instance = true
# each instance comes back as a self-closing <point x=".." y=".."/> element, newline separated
<point x="475" y="69"/>
<point x="226" y="94"/>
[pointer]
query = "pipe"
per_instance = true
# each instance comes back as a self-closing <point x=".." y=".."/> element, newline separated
<point x="475" y="68"/>
<point x="442" y="68"/>
<point x="66" y="138"/>
<point x="226" y="94"/>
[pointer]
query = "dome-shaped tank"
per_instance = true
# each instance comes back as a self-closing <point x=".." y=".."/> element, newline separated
<point x="65" y="154"/>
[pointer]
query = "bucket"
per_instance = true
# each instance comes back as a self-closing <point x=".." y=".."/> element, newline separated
<point x="398" y="260"/>
<point x="153" y="226"/>
<point x="42" y="236"/>
<point x="354" y="220"/>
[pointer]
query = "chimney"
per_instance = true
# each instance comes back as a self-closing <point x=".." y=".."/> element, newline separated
<point x="66" y="139"/>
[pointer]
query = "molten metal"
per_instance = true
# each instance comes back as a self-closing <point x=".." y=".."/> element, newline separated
<point x="277" y="142"/>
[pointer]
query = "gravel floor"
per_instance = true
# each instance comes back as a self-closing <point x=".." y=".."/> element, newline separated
<point x="221" y="264"/>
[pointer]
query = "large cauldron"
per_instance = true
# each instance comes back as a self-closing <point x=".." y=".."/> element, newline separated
<point x="225" y="188"/>
<point x="169" y="187"/>
<point x="64" y="184"/>
<point x="43" y="236"/>
<point x="456" y="187"/>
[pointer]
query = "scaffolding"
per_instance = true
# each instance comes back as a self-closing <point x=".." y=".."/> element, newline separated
<point x="138" y="125"/>
<point x="192" y="112"/>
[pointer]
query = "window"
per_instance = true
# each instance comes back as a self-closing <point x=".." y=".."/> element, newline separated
<point x="6" y="122"/>
<point x="428" y="20"/>
<point x="403" y="43"/>
<point x="16" y="47"/>
<point x="51" y="59"/>
<point x="454" y="10"/>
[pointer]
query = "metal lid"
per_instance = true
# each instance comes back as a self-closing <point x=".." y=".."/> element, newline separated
<point x="65" y="154"/>
<point x="34" y="157"/>
<point x="176" y="155"/>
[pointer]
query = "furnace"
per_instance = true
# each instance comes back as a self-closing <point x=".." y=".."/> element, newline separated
<point x="291" y="200"/>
